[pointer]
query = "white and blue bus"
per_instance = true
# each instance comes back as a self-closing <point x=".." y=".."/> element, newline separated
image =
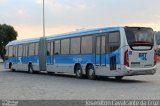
<point x="111" y="52"/>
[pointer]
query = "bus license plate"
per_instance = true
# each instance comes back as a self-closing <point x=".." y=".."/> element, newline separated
<point x="143" y="56"/>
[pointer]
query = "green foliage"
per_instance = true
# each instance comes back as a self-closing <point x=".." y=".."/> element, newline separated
<point x="7" y="34"/>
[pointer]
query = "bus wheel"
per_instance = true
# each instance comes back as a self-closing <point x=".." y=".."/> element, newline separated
<point x="91" y="72"/>
<point x="30" y="69"/>
<point x="119" y="77"/>
<point x="78" y="71"/>
<point x="11" y="67"/>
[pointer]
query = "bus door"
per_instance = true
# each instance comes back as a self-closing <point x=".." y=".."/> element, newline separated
<point x="100" y="50"/>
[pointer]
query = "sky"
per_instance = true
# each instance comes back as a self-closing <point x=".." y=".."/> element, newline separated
<point x="71" y="15"/>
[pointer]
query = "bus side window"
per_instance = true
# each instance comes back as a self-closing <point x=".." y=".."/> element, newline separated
<point x="52" y="48"/>
<point x="10" y="54"/>
<point x="57" y="47"/>
<point x="36" y="49"/>
<point x="65" y="46"/>
<point x="114" y="41"/>
<point x="48" y="49"/>
<point x="86" y="45"/>
<point x="14" y="51"/>
<point x="7" y="51"/>
<point x="20" y="50"/>
<point x="31" y="49"/>
<point x="75" y="45"/>
<point x="26" y="49"/>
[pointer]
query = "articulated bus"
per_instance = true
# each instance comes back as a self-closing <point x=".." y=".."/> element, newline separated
<point x="111" y="52"/>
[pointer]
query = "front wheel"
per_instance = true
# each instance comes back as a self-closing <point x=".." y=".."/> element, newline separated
<point x="11" y="67"/>
<point x="78" y="71"/>
<point x="91" y="73"/>
<point x="30" y="69"/>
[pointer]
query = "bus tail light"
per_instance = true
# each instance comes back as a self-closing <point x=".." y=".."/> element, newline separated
<point x="126" y="59"/>
<point x="155" y="58"/>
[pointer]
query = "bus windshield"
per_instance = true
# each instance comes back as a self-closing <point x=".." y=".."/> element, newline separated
<point x="140" y="36"/>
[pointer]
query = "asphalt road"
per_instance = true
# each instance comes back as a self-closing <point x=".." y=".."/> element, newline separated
<point x="24" y="86"/>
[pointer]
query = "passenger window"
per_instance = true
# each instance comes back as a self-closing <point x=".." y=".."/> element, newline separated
<point x="86" y="45"/>
<point x="114" y="37"/>
<point x="24" y="50"/>
<point x="7" y="51"/>
<point x="114" y="41"/>
<point x="52" y="48"/>
<point x="57" y="47"/>
<point x="75" y="45"/>
<point x="15" y="51"/>
<point x="98" y="45"/>
<point x="65" y="46"/>
<point x="103" y="50"/>
<point x="48" y="49"/>
<point x="36" y="48"/>
<point x="20" y="49"/>
<point x="26" y="47"/>
<point x="31" y="49"/>
<point x="10" y="51"/>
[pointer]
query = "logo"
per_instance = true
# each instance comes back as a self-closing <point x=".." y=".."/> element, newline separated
<point x="143" y="56"/>
<point x="130" y="52"/>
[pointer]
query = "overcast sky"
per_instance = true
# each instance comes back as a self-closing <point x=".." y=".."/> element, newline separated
<point x="69" y="15"/>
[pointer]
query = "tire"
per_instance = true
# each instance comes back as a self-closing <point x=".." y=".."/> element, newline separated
<point x="30" y="69"/>
<point x="119" y="77"/>
<point x="11" y="68"/>
<point x="78" y="72"/>
<point x="91" y="73"/>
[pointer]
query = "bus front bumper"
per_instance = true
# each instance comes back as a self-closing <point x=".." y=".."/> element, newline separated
<point x="141" y="71"/>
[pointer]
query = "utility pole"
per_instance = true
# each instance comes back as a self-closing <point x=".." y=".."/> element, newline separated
<point x="44" y="19"/>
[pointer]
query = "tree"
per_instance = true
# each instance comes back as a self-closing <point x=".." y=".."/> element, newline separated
<point x="7" y="34"/>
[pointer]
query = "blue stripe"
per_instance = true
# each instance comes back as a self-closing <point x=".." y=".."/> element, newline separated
<point x="69" y="59"/>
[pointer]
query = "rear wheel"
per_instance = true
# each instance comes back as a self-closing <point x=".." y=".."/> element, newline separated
<point x="119" y="77"/>
<point x="11" y="67"/>
<point x="30" y="69"/>
<point x="91" y="72"/>
<point x="78" y="72"/>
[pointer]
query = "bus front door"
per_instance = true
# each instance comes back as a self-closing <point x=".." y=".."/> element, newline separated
<point x="100" y="51"/>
